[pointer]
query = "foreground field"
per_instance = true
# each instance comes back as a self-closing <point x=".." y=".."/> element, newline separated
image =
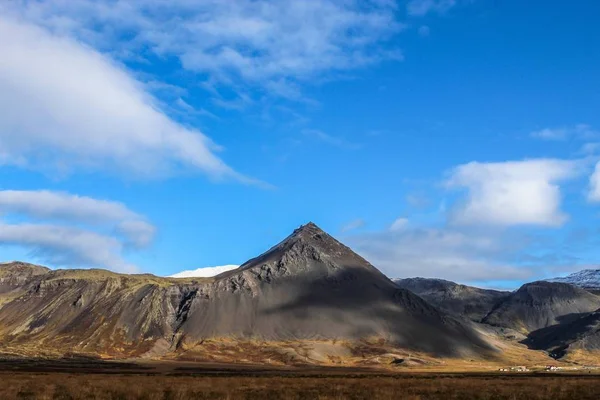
<point x="197" y="383"/>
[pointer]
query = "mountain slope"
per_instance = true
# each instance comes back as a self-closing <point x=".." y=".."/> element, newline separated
<point x="541" y="304"/>
<point x="586" y="279"/>
<point x="309" y="286"/>
<point x="583" y="333"/>
<point x="461" y="300"/>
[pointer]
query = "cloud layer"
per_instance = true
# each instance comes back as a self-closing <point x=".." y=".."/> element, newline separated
<point x="265" y="43"/>
<point x="440" y="253"/>
<point x="73" y="230"/>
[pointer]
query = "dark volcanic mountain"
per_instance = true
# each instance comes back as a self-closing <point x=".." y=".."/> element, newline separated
<point x="583" y="333"/>
<point x="456" y="299"/>
<point x="309" y="286"/>
<point x="542" y="304"/>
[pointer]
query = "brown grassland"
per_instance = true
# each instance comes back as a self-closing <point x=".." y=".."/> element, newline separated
<point x="192" y="385"/>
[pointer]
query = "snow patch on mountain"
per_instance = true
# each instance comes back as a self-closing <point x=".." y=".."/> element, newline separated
<point x="206" y="272"/>
<point x="587" y="279"/>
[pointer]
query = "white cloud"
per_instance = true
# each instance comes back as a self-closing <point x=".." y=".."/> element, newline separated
<point x="67" y="247"/>
<point x="71" y="230"/>
<point x="419" y="8"/>
<point x="399" y="224"/>
<point x="44" y="204"/>
<point x="248" y="41"/>
<point x="579" y="131"/>
<point x="66" y="106"/>
<point x="206" y="272"/>
<point x="512" y="192"/>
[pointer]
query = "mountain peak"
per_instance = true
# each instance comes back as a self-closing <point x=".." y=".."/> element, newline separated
<point x="309" y="228"/>
<point x="306" y="247"/>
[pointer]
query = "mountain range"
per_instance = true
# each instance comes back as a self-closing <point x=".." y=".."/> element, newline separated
<point x="309" y="298"/>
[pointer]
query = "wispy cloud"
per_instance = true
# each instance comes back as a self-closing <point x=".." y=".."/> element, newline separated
<point x="330" y="139"/>
<point x="579" y="131"/>
<point x="267" y="44"/>
<point x="353" y="225"/>
<point x="399" y="224"/>
<point x="71" y="230"/>
<point x="419" y="8"/>
<point x="66" y="246"/>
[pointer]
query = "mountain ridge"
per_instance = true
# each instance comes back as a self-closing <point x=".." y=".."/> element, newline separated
<point x="457" y="299"/>
<point x="541" y="304"/>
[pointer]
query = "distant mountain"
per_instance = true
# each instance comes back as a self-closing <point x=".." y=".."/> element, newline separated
<point x="462" y="300"/>
<point x="308" y="287"/>
<point x="206" y="272"/>
<point x="542" y="304"/>
<point x="586" y="279"/>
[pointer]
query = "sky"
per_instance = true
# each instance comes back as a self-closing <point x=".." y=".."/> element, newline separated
<point x="456" y="139"/>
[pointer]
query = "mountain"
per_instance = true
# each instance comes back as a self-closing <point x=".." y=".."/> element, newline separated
<point x="308" y="287"/>
<point x="15" y="273"/>
<point x="582" y="333"/>
<point x="205" y="272"/>
<point x="541" y="304"/>
<point x="586" y="279"/>
<point x="456" y="299"/>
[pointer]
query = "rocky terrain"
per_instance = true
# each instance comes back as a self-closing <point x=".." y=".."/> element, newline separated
<point x="540" y="305"/>
<point x="308" y="287"/>
<point x="460" y="300"/>
<point x="580" y="334"/>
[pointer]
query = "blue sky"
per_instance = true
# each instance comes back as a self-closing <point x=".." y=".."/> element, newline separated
<point x="441" y="138"/>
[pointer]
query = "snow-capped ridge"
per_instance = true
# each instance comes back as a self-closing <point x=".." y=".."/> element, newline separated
<point x="587" y="279"/>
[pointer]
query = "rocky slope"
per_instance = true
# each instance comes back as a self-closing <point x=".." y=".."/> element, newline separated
<point x="542" y="304"/>
<point x="582" y="334"/>
<point x="309" y="286"/>
<point x="461" y="300"/>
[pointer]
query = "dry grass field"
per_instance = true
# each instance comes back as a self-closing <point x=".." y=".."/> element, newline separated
<point x="121" y="385"/>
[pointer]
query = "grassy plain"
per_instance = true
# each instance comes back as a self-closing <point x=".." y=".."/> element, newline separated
<point x="175" y="381"/>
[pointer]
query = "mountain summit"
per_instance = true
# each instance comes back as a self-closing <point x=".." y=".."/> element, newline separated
<point x="308" y="247"/>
